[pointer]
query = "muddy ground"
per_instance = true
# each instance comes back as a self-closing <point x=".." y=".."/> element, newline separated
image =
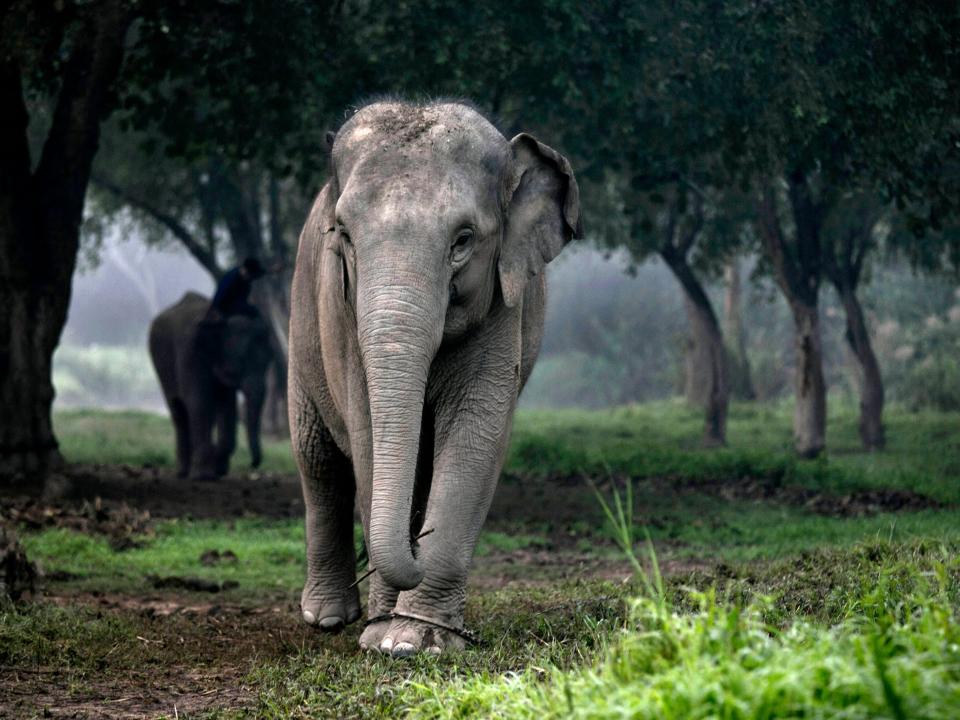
<point x="205" y="649"/>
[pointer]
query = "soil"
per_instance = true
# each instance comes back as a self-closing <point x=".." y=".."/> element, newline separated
<point x="197" y="652"/>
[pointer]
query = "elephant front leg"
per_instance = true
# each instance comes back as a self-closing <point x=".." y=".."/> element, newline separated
<point x="226" y="429"/>
<point x="201" y="413"/>
<point x="181" y="426"/>
<point x="329" y="601"/>
<point x="467" y="466"/>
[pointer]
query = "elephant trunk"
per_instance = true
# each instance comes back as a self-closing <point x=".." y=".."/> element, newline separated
<point x="399" y="328"/>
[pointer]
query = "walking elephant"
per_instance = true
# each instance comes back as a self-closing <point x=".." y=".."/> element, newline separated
<point x="417" y="314"/>
<point x="201" y="365"/>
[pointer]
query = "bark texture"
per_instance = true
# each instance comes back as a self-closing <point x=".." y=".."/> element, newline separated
<point x="40" y="215"/>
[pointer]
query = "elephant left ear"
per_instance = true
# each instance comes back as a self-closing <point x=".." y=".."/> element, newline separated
<point x="542" y="214"/>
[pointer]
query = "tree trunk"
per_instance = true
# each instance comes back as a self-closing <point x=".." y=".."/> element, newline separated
<point x="810" y="409"/>
<point x="871" y="381"/>
<point x="741" y="382"/>
<point x="707" y="361"/>
<point x="40" y="214"/>
<point x="797" y="268"/>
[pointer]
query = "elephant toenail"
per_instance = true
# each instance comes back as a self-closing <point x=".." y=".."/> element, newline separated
<point x="402" y="649"/>
<point x="386" y="645"/>
<point x="309" y="617"/>
<point x="433" y="650"/>
<point x="331" y="623"/>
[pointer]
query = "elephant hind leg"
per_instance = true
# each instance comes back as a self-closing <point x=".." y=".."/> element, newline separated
<point x="181" y="425"/>
<point x="328" y="600"/>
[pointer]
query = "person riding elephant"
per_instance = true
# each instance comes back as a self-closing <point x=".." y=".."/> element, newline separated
<point x="232" y="296"/>
<point x="200" y="383"/>
<point x="416" y="316"/>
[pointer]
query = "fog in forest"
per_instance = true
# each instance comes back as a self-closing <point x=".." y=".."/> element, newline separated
<point x="615" y="333"/>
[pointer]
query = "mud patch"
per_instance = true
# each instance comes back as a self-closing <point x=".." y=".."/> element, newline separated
<point x="180" y="658"/>
<point x="160" y="493"/>
<point x="860" y="503"/>
<point x="118" y="521"/>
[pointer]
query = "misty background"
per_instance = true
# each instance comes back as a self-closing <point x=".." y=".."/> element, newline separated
<point x="616" y="332"/>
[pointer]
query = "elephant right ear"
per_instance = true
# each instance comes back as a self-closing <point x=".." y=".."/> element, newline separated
<point x="542" y="214"/>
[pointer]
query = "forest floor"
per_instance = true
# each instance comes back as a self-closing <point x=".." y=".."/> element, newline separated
<point x="158" y="597"/>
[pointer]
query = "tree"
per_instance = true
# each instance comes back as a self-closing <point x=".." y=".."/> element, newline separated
<point x="844" y="265"/>
<point x="78" y="50"/>
<point x="223" y="75"/>
<point x="675" y="227"/>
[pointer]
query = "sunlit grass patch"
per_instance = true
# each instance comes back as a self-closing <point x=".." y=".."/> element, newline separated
<point x="890" y="654"/>
<point x="269" y="556"/>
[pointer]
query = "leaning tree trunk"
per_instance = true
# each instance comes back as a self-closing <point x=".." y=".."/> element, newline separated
<point x="810" y="410"/>
<point x="871" y="381"/>
<point x="707" y="360"/>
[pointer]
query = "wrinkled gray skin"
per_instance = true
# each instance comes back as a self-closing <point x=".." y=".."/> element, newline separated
<point x="201" y="396"/>
<point x="417" y="314"/>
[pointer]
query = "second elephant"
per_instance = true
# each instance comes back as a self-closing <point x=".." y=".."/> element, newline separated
<point x="201" y="368"/>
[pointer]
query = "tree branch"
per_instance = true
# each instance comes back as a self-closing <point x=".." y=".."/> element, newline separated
<point x="785" y="269"/>
<point x="689" y="236"/>
<point x="172" y="224"/>
<point x="85" y="95"/>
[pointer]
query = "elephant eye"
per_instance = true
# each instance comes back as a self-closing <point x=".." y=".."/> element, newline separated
<point x="461" y="244"/>
<point x="345" y="236"/>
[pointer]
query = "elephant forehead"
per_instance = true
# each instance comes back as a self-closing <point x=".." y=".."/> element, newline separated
<point x="398" y="134"/>
<point x="420" y="194"/>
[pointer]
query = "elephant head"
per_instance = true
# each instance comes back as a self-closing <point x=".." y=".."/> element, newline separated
<point x="242" y="364"/>
<point x="439" y="222"/>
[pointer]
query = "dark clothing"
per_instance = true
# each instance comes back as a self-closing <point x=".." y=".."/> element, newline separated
<point x="232" y="295"/>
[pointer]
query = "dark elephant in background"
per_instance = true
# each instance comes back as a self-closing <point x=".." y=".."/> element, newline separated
<point x="417" y="313"/>
<point x="200" y="382"/>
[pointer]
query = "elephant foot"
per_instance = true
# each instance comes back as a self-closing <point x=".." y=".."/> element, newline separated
<point x="330" y="614"/>
<point x="404" y="636"/>
<point x="372" y="635"/>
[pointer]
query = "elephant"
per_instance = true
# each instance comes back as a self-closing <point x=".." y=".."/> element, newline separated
<point x="417" y="314"/>
<point x="200" y="383"/>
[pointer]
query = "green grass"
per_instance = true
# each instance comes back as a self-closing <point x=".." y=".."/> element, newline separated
<point x="770" y="610"/>
<point x="135" y="437"/>
<point x="663" y="440"/>
<point x="896" y="655"/>
<point x="653" y="440"/>
<point x="269" y="556"/>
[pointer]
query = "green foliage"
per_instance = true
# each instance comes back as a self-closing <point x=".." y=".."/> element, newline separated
<point x="725" y="661"/>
